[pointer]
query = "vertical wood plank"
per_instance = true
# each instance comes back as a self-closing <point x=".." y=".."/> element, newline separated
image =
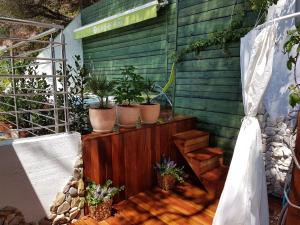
<point x="128" y="157"/>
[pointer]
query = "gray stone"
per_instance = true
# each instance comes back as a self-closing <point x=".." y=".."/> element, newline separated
<point x="277" y="138"/>
<point x="66" y="188"/>
<point x="63" y="208"/>
<point x="73" y="192"/>
<point x="270" y="131"/>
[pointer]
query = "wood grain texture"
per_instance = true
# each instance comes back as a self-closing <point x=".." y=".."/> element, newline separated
<point x="187" y="204"/>
<point x="293" y="214"/>
<point x="128" y="157"/>
<point x="208" y="84"/>
<point x="184" y="206"/>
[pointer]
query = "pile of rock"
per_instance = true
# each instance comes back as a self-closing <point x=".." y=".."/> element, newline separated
<point x="278" y="140"/>
<point x="12" y="216"/>
<point x="68" y="204"/>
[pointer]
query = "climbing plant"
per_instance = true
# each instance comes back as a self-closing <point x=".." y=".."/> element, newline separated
<point x="292" y="49"/>
<point x="232" y="33"/>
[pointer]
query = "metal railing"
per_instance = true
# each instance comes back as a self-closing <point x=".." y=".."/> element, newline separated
<point x="51" y="114"/>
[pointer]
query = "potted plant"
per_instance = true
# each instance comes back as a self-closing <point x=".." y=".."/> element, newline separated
<point x="149" y="111"/>
<point x="103" y="117"/>
<point x="128" y="92"/>
<point x="168" y="174"/>
<point x="99" y="199"/>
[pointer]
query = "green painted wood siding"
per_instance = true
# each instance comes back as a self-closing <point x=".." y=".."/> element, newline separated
<point x="208" y="85"/>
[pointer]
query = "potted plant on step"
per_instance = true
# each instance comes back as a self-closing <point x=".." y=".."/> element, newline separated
<point x="100" y="198"/>
<point x="168" y="174"/>
<point x="149" y="111"/>
<point x="103" y="117"/>
<point x="128" y="93"/>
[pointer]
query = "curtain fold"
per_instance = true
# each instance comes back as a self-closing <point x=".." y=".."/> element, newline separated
<point x="244" y="198"/>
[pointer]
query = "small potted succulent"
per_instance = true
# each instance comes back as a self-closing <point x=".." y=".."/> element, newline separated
<point x="128" y="93"/>
<point x="102" y="117"/>
<point x="149" y="111"/>
<point x="100" y="198"/>
<point x="168" y="174"/>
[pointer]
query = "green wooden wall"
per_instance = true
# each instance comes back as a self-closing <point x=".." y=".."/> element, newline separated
<point x="207" y="86"/>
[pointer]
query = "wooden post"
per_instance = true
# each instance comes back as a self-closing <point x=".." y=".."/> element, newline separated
<point x="293" y="214"/>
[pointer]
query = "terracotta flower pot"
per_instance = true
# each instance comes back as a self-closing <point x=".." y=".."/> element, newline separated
<point x="102" y="120"/>
<point x="102" y="211"/>
<point x="166" y="182"/>
<point x="149" y="113"/>
<point x="128" y="116"/>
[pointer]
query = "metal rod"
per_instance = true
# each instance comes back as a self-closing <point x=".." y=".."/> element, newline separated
<point x="30" y="23"/>
<point x="32" y="64"/>
<point x="27" y="40"/>
<point x="29" y="76"/>
<point x="35" y="51"/>
<point x="36" y="37"/>
<point x="65" y="81"/>
<point x="36" y="124"/>
<point x="30" y="58"/>
<point x="33" y="110"/>
<point x="12" y="63"/>
<point x="39" y="128"/>
<point x="31" y="94"/>
<point x="54" y="83"/>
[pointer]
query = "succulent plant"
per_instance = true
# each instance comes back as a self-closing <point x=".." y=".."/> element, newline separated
<point x="98" y="194"/>
<point x="169" y="167"/>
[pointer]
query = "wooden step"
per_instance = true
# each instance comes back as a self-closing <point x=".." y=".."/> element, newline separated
<point x="214" y="180"/>
<point x="204" y="159"/>
<point x="191" y="140"/>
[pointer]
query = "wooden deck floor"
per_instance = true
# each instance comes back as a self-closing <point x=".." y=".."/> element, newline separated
<point x="188" y="205"/>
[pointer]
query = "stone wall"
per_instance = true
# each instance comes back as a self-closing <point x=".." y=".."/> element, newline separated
<point x="68" y="205"/>
<point x="278" y="137"/>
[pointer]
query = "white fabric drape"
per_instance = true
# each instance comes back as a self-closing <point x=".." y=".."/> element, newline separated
<point x="244" y="199"/>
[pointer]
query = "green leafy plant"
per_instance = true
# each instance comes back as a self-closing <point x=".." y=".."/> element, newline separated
<point x="231" y="33"/>
<point x="77" y="79"/>
<point x="129" y="87"/>
<point x="292" y="49"/>
<point x="97" y="194"/>
<point x="102" y="87"/>
<point x="169" y="167"/>
<point x="148" y="89"/>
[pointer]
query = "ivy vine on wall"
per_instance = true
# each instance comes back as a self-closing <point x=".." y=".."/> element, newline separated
<point x="233" y="32"/>
<point x="292" y="49"/>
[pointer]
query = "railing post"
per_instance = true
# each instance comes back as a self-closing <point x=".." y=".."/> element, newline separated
<point x="65" y="81"/>
<point x="54" y="82"/>
<point x="12" y="66"/>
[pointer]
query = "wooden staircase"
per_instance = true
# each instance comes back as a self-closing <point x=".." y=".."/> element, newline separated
<point x="205" y="161"/>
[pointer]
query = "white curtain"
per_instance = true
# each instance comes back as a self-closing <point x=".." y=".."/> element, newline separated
<point x="244" y="199"/>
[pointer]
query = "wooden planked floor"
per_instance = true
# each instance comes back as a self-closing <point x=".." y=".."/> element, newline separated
<point x="188" y="205"/>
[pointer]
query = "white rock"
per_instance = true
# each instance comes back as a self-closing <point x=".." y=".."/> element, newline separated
<point x="286" y="151"/>
<point x="278" y="153"/>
